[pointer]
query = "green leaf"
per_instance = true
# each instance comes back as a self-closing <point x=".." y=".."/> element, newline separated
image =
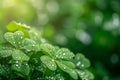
<point x="69" y="63"/>
<point x="35" y="36"/>
<point x="13" y="26"/>
<point x="59" y="77"/>
<point x="49" y="49"/>
<point x="14" y="38"/>
<point x="81" y="62"/>
<point x="29" y="45"/>
<point x="85" y="75"/>
<point x="4" y="70"/>
<point x="49" y="62"/>
<point x="64" y="53"/>
<point x="22" y="68"/>
<point x="19" y="55"/>
<point x="2" y="40"/>
<point x="67" y="69"/>
<point x="5" y="51"/>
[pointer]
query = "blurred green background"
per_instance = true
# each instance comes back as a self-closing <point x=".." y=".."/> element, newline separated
<point x="91" y="27"/>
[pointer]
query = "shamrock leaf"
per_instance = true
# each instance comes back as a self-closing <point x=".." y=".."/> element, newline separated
<point x="14" y="38"/>
<point x="85" y="75"/>
<point x="29" y="44"/>
<point x="69" y="63"/>
<point x="13" y="26"/>
<point x="22" y="67"/>
<point x="49" y="49"/>
<point x="4" y="70"/>
<point x="49" y="62"/>
<point x="35" y="36"/>
<point x="19" y="55"/>
<point x="5" y="51"/>
<point x="64" y="53"/>
<point x="67" y="69"/>
<point x="81" y="62"/>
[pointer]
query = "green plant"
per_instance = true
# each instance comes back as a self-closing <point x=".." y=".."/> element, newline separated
<point x="24" y="54"/>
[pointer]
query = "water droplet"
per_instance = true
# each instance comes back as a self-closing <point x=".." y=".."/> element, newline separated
<point x="16" y="61"/>
<point x="21" y="37"/>
<point x="19" y="42"/>
<point x="52" y="65"/>
<point x="28" y="50"/>
<point x="33" y="45"/>
<point x="53" y="60"/>
<point x="82" y="65"/>
<point x="16" y="65"/>
<point x="26" y="64"/>
<point x="64" y="68"/>
<point x="78" y="64"/>
<point x="56" y="55"/>
<point x="64" y="54"/>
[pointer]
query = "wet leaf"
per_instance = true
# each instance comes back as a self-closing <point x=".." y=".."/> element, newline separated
<point x="29" y="44"/>
<point x="22" y="67"/>
<point x="49" y="49"/>
<point x="5" y="51"/>
<point x="19" y="55"/>
<point x="13" y="26"/>
<point x="64" y="53"/>
<point x="67" y="69"/>
<point x="69" y="63"/>
<point x="85" y="75"/>
<point x="14" y="38"/>
<point x="81" y="62"/>
<point x="35" y="36"/>
<point x="49" y="62"/>
<point x="4" y="70"/>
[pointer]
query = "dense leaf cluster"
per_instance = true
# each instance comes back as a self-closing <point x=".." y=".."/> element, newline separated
<point x="24" y="54"/>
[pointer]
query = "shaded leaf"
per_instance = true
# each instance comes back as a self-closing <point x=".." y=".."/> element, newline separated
<point x="85" y="75"/>
<point x="67" y="69"/>
<point x="5" y="51"/>
<point x="4" y="70"/>
<point x="49" y="49"/>
<point x="35" y="36"/>
<point x="19" y="55"/>
<point x="81" y="62"/>
<point x="29" y="44"/>
<point x="22" y="67"/>
<point x="49" y="62"/>
<point x="1" y="37"/>
<point x="69" y="63"/>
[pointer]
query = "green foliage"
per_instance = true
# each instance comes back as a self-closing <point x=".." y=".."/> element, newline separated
<point x="27" y="57"/>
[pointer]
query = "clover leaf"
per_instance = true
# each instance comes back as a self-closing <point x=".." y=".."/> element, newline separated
<point x="81" y="62"/>
<point x="67" y="69"/>
<point x="85" y="75"/>
<point x="19" y="55"/>
<point x="49" y="49"/>
<point x="5" y="51"/>
<point x="22" y="67"/>
<point x="29" y="45"/>
<point x="49" y="62"/>
<point x="28" y="56"/>
<point x="14" y="38"/>
<point x="13" y="26"/>
<point x="64" y="53"/>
